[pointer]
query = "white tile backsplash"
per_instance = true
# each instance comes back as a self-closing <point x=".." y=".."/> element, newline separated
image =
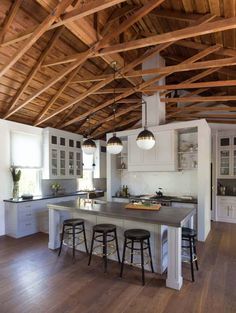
<point x="67" y="185"/>
<point x="173" y="183"/>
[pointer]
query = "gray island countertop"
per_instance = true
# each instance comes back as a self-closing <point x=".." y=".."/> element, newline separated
<point x="169" y="216"/>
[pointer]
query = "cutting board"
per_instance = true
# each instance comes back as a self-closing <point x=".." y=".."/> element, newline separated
<point x="153" y="207"/>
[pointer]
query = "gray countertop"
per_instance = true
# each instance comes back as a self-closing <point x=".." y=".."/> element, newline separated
<point x="166" y="216"/>
<point x="37" y="198"/>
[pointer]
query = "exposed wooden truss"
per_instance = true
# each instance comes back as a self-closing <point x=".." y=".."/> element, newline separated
<point x="70" y="79"/>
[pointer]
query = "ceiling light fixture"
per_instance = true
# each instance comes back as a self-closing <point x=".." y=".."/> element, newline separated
<point x="114" y="144"/>
<point x="145" y="139"/>
<point x="89" y="146"/>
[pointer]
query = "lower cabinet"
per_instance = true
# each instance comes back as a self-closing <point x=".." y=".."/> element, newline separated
<point x="226" y="209"/>
<point x="29" y="217"/>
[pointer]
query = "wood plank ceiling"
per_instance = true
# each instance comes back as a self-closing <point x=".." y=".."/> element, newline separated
<point x="56" y="61"/>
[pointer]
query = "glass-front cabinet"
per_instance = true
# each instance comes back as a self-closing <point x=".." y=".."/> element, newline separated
<point x="62" y="154"/>
<point x="227" y="156"/>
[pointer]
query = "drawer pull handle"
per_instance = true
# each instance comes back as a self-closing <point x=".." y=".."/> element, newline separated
<point x="28" y="224"/>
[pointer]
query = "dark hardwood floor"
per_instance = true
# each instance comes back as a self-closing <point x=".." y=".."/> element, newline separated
<point x="33" y="279"/>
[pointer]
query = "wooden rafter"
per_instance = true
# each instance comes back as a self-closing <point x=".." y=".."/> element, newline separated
<point x="39" y="31"/>
<point x="34" y="70"/>
<point x="134" y="119"/>
<point x="9" y="18"/>
<point x="126" y="24"/>
<point x="81" y="12"/>
<point x="118" y="114"/>
<point x="199" y="99"/>
<point x="188" y="32"/>
<point x="56" y="96"/>
<point x="145" y="84"/>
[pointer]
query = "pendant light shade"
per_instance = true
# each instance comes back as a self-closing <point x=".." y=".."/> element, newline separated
<point x="145" y="139"/>
<point x="89" y="146"/>
<point x="114" y="145"/>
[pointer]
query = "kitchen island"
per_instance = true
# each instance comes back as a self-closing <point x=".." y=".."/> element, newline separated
<point x="164" y="225"/>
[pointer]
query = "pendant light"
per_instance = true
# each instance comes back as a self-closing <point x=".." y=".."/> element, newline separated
<point x="145" y="139"/>
<point x="114" y="144"/>
<point x="89" y="146"/>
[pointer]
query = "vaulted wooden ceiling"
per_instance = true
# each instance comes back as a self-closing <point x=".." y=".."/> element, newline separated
<point x="56" y="61"/>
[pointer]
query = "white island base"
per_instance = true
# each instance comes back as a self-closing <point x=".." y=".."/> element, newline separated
<point x="165" y="240"/>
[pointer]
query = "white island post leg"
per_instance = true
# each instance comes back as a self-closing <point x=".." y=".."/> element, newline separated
<point x="54" y="229"/>
<point x="174" y="274"/>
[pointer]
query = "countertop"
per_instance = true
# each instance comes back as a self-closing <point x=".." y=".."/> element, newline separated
<point x="170" y="198"/>
<point x="169" y="216"/>
<point x="37" y="198"/>
<point x="226" y="195"/>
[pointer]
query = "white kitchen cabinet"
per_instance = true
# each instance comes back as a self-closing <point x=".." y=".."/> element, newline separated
<point x="226" y="209"/>
<point x="162" y="157"/>
<point x="62" y="154"/>
<point x="100" y="169"/>
<point x="227" y="155"/>
<point x="29" y="217"/>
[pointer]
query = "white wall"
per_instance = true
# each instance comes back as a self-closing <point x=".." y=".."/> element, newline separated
<point x="173" y="183"/>
<point x="6" y="182"/>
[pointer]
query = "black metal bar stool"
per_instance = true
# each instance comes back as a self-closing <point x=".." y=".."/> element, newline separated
<point x="104" y="233"/>
<point x="133" y="236"/>
<point x="73" y="227"/>
<point x="188" y="236"/>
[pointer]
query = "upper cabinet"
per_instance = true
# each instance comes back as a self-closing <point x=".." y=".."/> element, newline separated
<point x="62" y="154"/>
<point x="161" y="158"/>
<point x="227" y="155"/>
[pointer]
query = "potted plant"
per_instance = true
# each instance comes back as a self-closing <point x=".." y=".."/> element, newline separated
<point x="55" y="187"/>
<point x="16" y="174"/>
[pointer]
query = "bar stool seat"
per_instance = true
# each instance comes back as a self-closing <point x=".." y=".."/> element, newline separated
<point x="73" y="222"/>
<point x="142" y="237"/>
<point x="188" y="237"/>
<point x="104" y="228"/>
<point x="105" y="234"/>
<point x="137" y="234"/>
<point x="73" y="226"/>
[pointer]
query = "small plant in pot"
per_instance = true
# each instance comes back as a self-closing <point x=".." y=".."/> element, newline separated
<point x="16" y="175"/>
<point x="55" y="187"/>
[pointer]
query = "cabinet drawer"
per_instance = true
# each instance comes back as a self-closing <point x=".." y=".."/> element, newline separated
<point x="27" y="228"/>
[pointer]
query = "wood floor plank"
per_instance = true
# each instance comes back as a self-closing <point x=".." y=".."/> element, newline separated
<point x="34" y="280"/>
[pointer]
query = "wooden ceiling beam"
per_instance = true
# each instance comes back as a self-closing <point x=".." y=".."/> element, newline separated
<point x="188" y="32"/>
<point x="9" y="18"/>
<point x="56" y="96"/>
<point x="143" y="85"/>
<point x="101" y="84"/>
<point x="111" y="117"/>
<point x="198" y="99"/>
<point x="126" y="24"/>
<point x="170" y="69"/>
<point x="176" y="15"/>
<point x="134" y="119"/>
<point x="136" y="16"/>
<point x="202" y="109"/>
<point x="211" y="84"/>
<point x="34" y="70"/>
<point x="39" y="31"/>
<point x="81" y="12"/>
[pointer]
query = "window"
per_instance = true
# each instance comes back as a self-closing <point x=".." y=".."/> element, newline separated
<point x="26" y="154"/>
<point x="30" y="181"/>
<point x="86" y="183"/>
<point x="26" y="150"/>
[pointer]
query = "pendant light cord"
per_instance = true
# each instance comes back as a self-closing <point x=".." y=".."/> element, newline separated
<point x="114" y="97"/>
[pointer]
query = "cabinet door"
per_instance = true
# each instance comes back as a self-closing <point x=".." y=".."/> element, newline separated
<point x="71" y="161"/>
<point x="78" y="161"/>
<point x="62" y="162"/>
<point x="54" y="162"/>
<point x="135" y="154"/>
<point x="234" y="162"/>
<point x="224" y="210"/>
<point x="224" y="162"/>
